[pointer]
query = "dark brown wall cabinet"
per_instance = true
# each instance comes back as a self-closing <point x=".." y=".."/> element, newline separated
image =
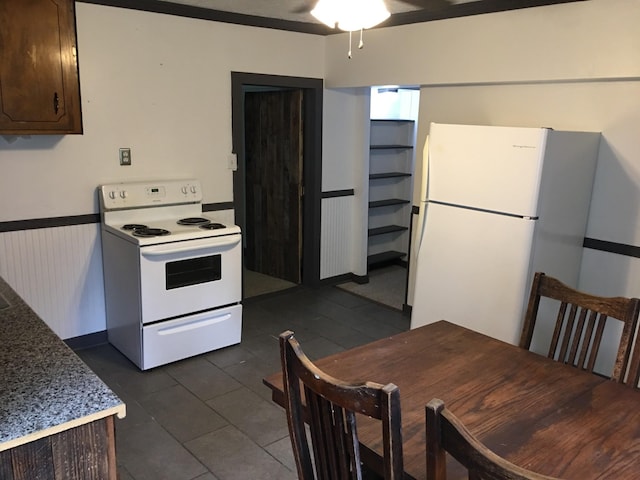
<point x="39" y="81"/>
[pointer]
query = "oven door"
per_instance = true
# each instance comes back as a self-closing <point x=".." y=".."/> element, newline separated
<point x="190" y="276"/>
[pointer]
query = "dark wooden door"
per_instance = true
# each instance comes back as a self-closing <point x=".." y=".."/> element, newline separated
<point x="273" y="156"/>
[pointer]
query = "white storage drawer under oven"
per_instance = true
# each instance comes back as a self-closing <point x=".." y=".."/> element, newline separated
<point x="172" y="340"/>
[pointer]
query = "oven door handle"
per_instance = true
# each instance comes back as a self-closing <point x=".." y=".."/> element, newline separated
<point x="162" y="250"/>
<point x="204" y="322"/>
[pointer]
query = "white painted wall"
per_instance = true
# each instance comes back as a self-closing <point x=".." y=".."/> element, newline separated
<point x="158" y="84"/>
<point x="579" y="40"/>
<point x="395" y="103"/>
<point x="345" y="166"/>
<point x="573" y="66"/>
<point x="161" y="85"/>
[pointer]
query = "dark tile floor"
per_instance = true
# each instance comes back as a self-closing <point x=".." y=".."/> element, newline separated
<point x="210" y="416"/>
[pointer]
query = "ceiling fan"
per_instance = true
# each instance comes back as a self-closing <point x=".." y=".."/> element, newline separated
<point x="358" y="15"/>
<point x="307" y="5"/>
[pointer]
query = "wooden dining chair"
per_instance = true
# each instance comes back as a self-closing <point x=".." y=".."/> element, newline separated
<point x="631" y="375"/>
<point x="330" y="407"/>
<point x="579" y="324"/>
<point x="447" y="434"/>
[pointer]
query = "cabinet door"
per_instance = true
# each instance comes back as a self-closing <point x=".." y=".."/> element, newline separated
<point x="39" y="87"/>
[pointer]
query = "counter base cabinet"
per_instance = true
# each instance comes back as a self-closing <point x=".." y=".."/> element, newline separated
<point x="85" y="452"/>
<point x="39" y="81"/>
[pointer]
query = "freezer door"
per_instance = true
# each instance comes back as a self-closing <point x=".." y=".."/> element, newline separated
<point x="473" y="270"/>
<point x="491" y="168"/>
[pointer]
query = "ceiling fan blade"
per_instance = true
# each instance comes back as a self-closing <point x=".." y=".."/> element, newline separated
<point x="304" y="7"/>
<point x="428" y="4"/>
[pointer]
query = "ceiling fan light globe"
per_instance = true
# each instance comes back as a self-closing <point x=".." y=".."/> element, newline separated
<point x="363" y="14"/>
<point x="326" y="12"/>
<point x="351" y="15"/>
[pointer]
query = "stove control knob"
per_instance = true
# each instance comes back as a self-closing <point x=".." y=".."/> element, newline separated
<point x="112" y="195"/>
<point x="184" y="189"/>
<point x="193" y="189"/>
<point x="123" y="194"/>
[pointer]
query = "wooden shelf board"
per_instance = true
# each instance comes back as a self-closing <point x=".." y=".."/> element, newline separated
<point x="376" y="176"/>
<point x="396" y="120"/>
<point x="387" y="202"/>
<point x="386" y="229"/>
<point x="390" y="147"/>
<point x="384" y="257"/>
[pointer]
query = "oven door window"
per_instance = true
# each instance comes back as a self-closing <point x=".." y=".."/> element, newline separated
<point x="193" y="271"/>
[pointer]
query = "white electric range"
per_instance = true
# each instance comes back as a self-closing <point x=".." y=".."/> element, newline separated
<point x="173" y="275"/>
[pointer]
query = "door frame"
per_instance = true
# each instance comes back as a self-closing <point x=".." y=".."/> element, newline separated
<point x="312" y="89"/>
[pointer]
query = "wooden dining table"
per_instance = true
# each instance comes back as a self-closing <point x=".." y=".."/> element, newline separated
<point x="540" y="414"/>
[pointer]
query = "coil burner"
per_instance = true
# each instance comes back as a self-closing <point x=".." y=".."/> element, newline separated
<point x="193" y="221"/>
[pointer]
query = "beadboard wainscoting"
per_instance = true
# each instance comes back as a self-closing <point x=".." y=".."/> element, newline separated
<point x="337" y="236"/>
<point x="58" y="272"/>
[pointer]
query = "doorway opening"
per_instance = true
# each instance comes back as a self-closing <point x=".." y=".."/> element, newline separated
<point x="393" y="117"/>
<point x="277" y="132"/>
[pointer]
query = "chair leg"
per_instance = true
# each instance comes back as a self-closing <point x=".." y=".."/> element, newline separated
<point x="368" y="474"/>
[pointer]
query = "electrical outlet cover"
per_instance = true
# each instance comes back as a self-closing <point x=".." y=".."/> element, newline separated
<point x="125" y="156"/>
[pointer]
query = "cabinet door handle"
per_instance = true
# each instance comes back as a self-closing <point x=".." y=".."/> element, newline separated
<point x="56" y="102"/>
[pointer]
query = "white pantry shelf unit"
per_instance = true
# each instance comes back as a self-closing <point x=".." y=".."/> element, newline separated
<point x="391" y="159"/>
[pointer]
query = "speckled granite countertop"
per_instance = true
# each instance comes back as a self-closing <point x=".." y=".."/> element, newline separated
<point x="44" y="386"/>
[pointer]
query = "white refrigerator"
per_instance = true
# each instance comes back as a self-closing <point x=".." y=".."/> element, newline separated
<point x="497" y="205"/>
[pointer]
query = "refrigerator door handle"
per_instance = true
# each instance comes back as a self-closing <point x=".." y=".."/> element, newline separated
<point x="424" y="194"/>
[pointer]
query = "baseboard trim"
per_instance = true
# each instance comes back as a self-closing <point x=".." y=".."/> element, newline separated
<point x="87" y="341"/>
<point x="359" y="279"/>
<point x="345" y="277"/>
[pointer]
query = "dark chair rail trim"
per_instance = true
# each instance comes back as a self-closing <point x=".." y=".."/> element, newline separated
<point x="36" y="223"/>
<point x="338" y="193"/>
<point x="612" y="247"/>
<point x="215" y="207"/>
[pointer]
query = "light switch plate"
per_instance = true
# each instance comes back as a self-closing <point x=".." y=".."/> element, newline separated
<point x="232" y="161"/>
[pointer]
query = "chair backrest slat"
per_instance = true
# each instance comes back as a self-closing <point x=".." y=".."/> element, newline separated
<point x="558" y="327"/>
<point x="568" y="333"/>
<point x="580" y="325"/>
<point x="588" y="348"/>
<point x="447" y="434"/>
<point x="597" y="338"/>
<point x="331" y="408"/>
<point x="578" y="341"/>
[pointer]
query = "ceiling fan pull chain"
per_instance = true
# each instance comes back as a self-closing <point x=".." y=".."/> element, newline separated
<point x="349" y="54"/>
<point x="361" y="44"/>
